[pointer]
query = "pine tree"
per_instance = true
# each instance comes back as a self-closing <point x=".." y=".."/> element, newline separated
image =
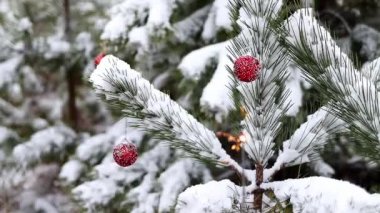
<point x="157" y="43"/>
<point x="56" y="159"/>
<point x="273" y="41"/>
<point x="37" y="134"/>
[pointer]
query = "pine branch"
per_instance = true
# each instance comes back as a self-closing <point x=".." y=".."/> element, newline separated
<point x="354" y="98"/>
<point x="372" y="71"/>
<point x="156" y="113"/>
<point x="262" y="100"/>
<point x="313" y="134"/>
<point x="265" y="108"/>
<point x="44" y="144"/>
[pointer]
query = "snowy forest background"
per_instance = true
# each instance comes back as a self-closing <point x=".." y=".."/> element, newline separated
<point x="56" y="135"/>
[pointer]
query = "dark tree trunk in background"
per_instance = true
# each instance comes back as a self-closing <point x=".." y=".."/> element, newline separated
<point x="66" y="7"/>
<point x="70" y="73"/>
<point x="71" y="83"/>
<point x="258" y="193"/>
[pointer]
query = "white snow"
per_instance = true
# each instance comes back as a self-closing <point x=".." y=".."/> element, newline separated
<point x="57" y="46"/>
<point x="31" y="81"/>
<point x="44" y="206"/>
<point x="359" y="93"/>
<point x="85" y="7"/>
<point x="39" y="123"/>
<point x="176" y="178"/>
<point x="84" y="43"/>
<point x="99" y="76"/>
<point x="322" y="168"/>
<point x="294" y="85"/>
<point x="216" y="96"/>
<point x="15" y="92"/>
<point x="161" y="80"/>
<point x="93" y="148"/>
<point x="203" y="57"/>
<point x="6" y="134"/>
<point x="8" y="70"/>
<point x="323" y="195"/>
<point x="13" y="112"/>
<point x="52" y="105"/>
<point x="123" y="16"/>
<point x="145" y="201"/>
<point x="25" y="24"/>
<point x="139" y="38"/>
<point x="97" y="192"/>
<point x="372" y="71"/>
<point x="314" y="133"/>
<point x="186" y="29"/>
<point x="218" y="19"/>
<point x="285" y="157"/>
<point x="261" y="8"/>
<point x="210" y="197"/>
<point x="115" y="29"/>
<point x="126" y="15"/>
<point x="10" y="178"/>
<point x="52" y="140"/>
<point x="71" y="171"/>
<point x="322" y="45"/>
<point x="159" y="15"/>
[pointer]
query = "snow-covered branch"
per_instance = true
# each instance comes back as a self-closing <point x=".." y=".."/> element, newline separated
<point x="123" y="16"/>
<point x="203" y="57"/>
<point x="218" y="19"/>
<point x="155" y="112"/>
<point x="216" y="95"/>
<point x="313" y="134"/>
<point x="197" y="198"/>
<point x="264" y="109"/>
<point x="188" y="28"/>
<point x="355" y="99"/>
<point x="50" y="141"/>
<point x="8" y="70"/>
<point x="315" y="194"/>
<point x="372" y="71"/>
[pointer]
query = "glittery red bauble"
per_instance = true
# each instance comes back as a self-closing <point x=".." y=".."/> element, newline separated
<point x="98" y="58"/>
<point x="125" y="154"/>
<point x="247" y="68"/>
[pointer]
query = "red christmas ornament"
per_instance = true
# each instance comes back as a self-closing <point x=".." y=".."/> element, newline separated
<point x="125" y="154"/>
<point x="247" y="68"/>
<point x="98" y="58"/>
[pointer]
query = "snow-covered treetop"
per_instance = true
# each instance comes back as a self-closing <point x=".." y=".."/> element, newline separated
<point x="264" y="110"/>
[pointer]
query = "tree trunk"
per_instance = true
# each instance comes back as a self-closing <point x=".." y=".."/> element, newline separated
<point x="258" y="193"/>
<point x="71" y="84"/>
<point x="66" y="12"/>
<point x="70" y="74"/>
